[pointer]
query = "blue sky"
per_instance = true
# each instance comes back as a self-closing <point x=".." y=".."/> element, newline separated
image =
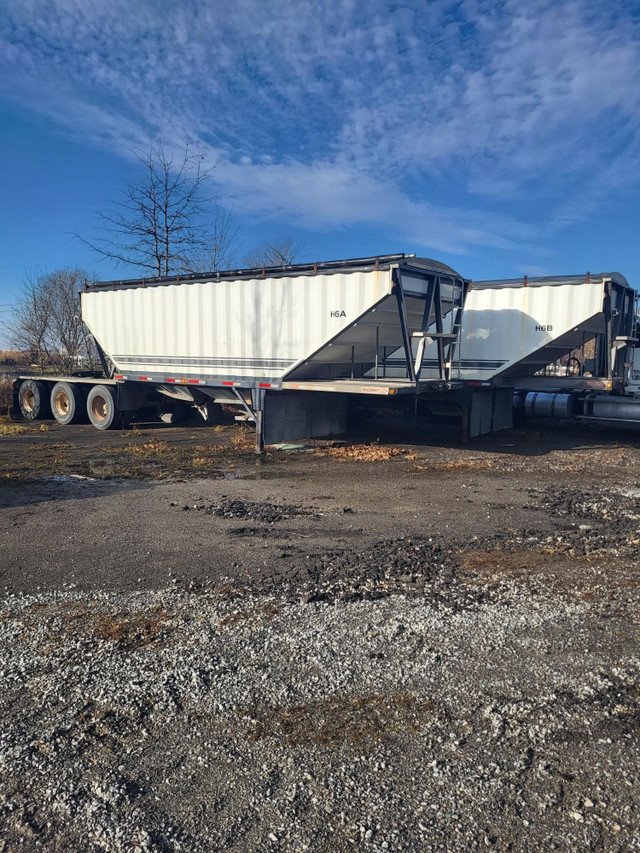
<point x="501" y="138"/>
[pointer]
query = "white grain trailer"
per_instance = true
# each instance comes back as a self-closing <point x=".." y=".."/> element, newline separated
<point x="290" y="346"/>
<point x="565" y="344"/>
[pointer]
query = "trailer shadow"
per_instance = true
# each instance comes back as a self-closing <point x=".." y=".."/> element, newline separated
<point x="64" y="488"/>
<point x="535" y="438"/>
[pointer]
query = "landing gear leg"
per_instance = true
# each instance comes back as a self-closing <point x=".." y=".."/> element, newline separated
<point x="257" y="404"/>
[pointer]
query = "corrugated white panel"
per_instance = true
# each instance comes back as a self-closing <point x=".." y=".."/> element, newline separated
<point x="257" y="328"/>
<point x="502" y="326"/>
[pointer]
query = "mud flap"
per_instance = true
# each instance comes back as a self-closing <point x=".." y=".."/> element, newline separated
<point x="491" y="410"/>
<point x="298" y="415"/>
<point x="130" y="396"/>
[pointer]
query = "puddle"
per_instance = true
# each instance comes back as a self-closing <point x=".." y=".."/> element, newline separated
<point x="68" y="478"/>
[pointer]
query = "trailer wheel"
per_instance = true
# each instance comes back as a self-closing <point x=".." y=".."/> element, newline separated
<point x="67" y="402"/>
<point x="33" y="399"/>
<point x="102" y="408"/>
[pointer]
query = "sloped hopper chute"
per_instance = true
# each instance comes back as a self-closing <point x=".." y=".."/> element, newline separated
<point x="388" y="338"/>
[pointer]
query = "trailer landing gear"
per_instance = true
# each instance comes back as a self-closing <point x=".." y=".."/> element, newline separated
<point x="257" y="404"/>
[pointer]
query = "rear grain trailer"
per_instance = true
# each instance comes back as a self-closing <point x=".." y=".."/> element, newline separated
<point x="290" y="347"/>
<point x="566" y="345"/>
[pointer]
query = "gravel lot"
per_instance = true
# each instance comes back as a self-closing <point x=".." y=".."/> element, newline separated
<point x="357" y="647"/>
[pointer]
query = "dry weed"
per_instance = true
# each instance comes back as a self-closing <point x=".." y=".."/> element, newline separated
<point x="13" y="429"/>
<point x="128" y="630"/>
<point x="363" y="453"/>
<point x="238" y="617"/>
<point x="9" y="428"/>
<point x="243" y="440"/>
<point x="6" y="396"/>
<point x="160" y="459"/>
<point x="131" y="631"/>
<point x="585" y="577"/>
<point x="149" y="448"/>
<point x="360" y="721"/>
<point x="457" y="465"/>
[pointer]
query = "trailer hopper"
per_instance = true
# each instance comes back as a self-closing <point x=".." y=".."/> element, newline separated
<point x="323" y="327"/>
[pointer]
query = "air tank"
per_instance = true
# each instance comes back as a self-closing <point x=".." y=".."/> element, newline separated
<point x="616" y="408"/>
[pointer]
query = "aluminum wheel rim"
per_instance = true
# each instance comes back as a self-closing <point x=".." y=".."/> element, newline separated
<point x="99" y="407"/>
<point x="28" y="400"/>
<point x="62" y="403"/>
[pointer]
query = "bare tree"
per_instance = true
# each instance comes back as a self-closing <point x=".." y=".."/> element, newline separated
<point x="169" y="221"/>
<point x="277" y="253"/>
<point x="46" y="322"/>
<point x="30" y="320"/>
<point x="219" y="251"/>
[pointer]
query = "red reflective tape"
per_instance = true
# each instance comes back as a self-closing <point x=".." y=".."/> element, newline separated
<point x="194" y="381"/>
<point x="170" y="380"/>
<point x="227" y="383"/>
<point x="118" y="376"/>
<point x="474" y="384"/>
<point x="264" y="385"/>
<point x="143" y="378"/>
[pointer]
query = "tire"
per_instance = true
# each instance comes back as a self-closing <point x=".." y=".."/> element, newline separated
<point x="102" y="408"/>
<point x="67" y="402"/>
<point x="33" y="400"/>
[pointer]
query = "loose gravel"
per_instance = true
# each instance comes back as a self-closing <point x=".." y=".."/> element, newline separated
<point x="402" y="700"/>
<point x="378" y="692"/>
<point x="173" y="722"/>
<point x="249" y="510"/>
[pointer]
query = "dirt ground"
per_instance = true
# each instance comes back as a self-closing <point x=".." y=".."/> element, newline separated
<point x="125" y="510"/>
<point x="391" y="642"/>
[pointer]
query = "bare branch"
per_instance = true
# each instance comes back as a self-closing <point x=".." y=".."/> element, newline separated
<point x="278" y="253"/>
<point x="169" y="221"/>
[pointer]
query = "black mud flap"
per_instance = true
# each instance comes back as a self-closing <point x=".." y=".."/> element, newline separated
<point x="299" y="415"/>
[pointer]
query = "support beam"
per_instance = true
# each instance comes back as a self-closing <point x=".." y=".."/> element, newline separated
<point x="243" y="403"/>
<point x="426" y="322"/>
<point x="259" y="445"/>
<point x="439" y="329"/>
<point x="411" y="373"/>
<point x="108" y="370"/>
<point x="257" y="405"/>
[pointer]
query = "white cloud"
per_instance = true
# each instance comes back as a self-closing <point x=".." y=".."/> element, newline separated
<point x="341" y="112"/>
<point x="326" y="195"/>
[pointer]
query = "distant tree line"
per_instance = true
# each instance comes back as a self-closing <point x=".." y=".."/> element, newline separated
<point x="46" y="324"/>
<point x="168" y="222"/>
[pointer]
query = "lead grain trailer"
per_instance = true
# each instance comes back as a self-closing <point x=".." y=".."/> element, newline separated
<point x="291" y="348"/>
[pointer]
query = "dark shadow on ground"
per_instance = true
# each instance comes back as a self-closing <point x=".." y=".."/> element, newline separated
<point x="64" y="488"/>
<point x="535" y="438"/>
